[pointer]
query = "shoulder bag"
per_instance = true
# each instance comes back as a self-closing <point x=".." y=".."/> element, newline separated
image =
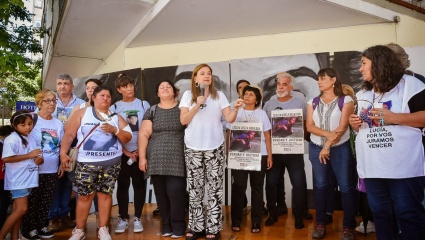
<point x="73" y="152"/>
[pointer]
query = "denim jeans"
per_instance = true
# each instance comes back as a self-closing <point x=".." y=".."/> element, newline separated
<point x="294" y="163"/>
<point x="60" y="205"/>
<point x="395" y="201"/>
<point x="342" y="164"/>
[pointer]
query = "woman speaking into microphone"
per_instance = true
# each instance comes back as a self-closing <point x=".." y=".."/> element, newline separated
<point x="204" y="153"/>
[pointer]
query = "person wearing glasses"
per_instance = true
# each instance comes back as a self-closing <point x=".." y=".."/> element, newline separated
<point x="390" y="157"/>
<point x="47" y="133"/>
<point x="330" y="151"/>
<point x="97" y="168"/>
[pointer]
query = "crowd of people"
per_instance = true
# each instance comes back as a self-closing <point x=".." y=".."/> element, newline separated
<point x="373" y="137"/>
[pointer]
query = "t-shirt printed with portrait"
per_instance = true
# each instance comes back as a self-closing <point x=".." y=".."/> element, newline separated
<point x="48" y="135"/>
<point x="133" y="113"/>
<point x="98" y="145"/>
<point x="63" y="113"/>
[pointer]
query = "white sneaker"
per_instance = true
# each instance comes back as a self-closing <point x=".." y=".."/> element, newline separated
<point x="138" y="227"/>
<point x="121" y="226"/>
<point x="370" y="227"/>
<point x="77" y="234"/>
<point x="104" y="233"/>
<point x="177" y="236"/>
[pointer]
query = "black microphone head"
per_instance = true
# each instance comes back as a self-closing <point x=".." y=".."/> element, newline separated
<point x="202" y="86"/>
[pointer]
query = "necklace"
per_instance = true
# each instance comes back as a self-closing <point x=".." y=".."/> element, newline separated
<point x="375" y="97"/>
<point x="65" y="105"/>
<point x="250" y="115"/>
<point x="103" y="115"/>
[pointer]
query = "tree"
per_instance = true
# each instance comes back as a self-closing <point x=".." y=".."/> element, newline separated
<point x="18" y="72"/>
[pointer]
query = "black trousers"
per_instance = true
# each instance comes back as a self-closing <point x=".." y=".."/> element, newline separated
<point x="170" y="192"/>
<point x="294" y="163"/>
<point x="4" y="203"/>
<point x="133" y="173"/>
<point x="239" y="185"/>
<point x="39" y="203"/>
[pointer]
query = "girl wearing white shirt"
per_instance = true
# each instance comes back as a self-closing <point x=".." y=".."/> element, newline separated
<point x="204" y="151"/>
<point x="21" y="160"/>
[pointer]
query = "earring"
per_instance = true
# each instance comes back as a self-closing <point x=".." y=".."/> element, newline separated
<point x="196" y="84"/>
<point x="333" y="85"/>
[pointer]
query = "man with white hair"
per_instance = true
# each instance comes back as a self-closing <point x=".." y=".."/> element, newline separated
<point x="293" y="162"/>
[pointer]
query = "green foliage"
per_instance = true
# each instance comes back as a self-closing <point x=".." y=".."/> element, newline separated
<point x="19" y="75"/>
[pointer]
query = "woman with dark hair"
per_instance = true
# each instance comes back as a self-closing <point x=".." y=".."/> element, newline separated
<point x="327" y="121"/>
<point x="204" y="153"/>
<point x="132" y="109"/>
<point x="91" y="84"/>
<point x="97" y="167"/>
<point x="161" y="153"/>
<point x="390" y="156"/>
<point x="251" y="112"/>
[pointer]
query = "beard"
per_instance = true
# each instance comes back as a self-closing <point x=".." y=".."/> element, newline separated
<point x="284" y="94"/>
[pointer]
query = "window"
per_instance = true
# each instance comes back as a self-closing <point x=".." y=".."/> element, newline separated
<point x="37" y="24"/>
<point x="38" y="3"/>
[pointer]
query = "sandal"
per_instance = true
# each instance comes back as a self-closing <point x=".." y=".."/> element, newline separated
<point x="192" y="235"/>
<point x="256" y="228"/>
<point x="215" y="236"/>
<point x="236" y="228"/>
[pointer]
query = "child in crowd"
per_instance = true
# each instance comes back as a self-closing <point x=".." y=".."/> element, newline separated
<point x="22" y="160"/>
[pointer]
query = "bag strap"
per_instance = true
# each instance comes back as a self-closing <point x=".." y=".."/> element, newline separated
<point x="79" y="145"/>
<point x="152" y="112"/>
<point x="340" y="102"/>
<point x="315" y="102"/>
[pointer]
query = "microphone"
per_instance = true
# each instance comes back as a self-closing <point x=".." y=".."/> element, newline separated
<point x="202" y="87"/>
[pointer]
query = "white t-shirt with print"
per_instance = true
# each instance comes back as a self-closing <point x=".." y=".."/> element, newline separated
<point x="205" y="131"/>
<point x="23" y="174"/>
<point x="48" y="136"/>
<point x="391" y="151"/>
<point x="255" y="116"/>
<point x="129" y="111"/>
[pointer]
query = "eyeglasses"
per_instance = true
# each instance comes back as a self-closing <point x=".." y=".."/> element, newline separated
<point x="49" y="101"/>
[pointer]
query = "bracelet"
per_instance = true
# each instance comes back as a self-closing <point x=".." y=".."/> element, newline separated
<point x="326" y="147"/>
<point x="118" y="130"/>
<point x="235" y="110"/>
